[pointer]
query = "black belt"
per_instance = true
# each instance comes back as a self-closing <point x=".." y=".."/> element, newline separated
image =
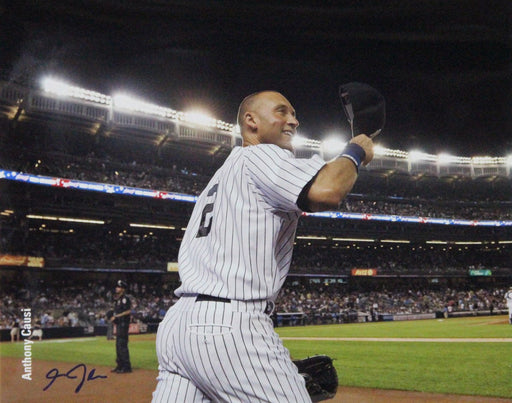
<point x="204" y="297"/>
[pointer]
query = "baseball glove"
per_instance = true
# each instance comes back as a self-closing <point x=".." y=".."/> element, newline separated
<point x="320" y="375"/>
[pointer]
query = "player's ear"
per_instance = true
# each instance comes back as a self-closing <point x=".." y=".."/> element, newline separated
<point x="251" y="120"/>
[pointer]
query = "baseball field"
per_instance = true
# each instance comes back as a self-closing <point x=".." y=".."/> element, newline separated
<point x="456" y="359"/>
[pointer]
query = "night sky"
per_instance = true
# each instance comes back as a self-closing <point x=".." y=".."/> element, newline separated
<point x="445" y="68"/>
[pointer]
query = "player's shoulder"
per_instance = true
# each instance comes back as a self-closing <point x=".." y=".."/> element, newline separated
<point x="268" y="151"/>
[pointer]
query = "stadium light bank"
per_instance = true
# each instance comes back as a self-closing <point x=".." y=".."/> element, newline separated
<point x="405" y="160"/>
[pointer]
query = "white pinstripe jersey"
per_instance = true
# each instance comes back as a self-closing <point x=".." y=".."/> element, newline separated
<point x="239" y="240"/>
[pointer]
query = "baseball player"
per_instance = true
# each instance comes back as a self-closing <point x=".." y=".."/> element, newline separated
<point x="508" y="297"/>
<point x="217" y="343"/>
<point x="121" y="317"/>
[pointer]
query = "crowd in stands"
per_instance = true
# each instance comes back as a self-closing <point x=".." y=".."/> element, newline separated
<point x="428" y="208"/>
<point x="100" y="248"/>
<point x="67" y="302"/>
<point x="174" y="176"/>
<point x="406" y="198"/>
<point x="398" y="259"/>
<point x="333" y="303"/>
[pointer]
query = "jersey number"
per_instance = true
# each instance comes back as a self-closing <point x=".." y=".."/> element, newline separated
<point x="204" y="230"/>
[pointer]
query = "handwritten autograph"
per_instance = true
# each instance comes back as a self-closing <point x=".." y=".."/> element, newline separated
<point x="78" y="371"/>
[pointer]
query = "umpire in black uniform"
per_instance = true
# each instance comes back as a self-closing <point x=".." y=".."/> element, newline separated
<point x="121" y="317"/>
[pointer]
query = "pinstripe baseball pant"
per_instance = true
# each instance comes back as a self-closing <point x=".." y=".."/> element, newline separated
<point x="223" y="352"/>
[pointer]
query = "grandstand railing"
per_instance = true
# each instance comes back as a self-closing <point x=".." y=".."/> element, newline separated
<point x="164" y="195"/>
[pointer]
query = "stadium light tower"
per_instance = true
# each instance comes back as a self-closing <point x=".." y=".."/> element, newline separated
<point x="131" y="103"/>
<point x="61" y="88"/>
<point x="199" y="118"/>
<point x="415" y="156"/>
<point x="379" y="150"/>
<point x="57" y="87"/>
<point x="298" y="141"/>
<point x="444" y="159"/>
<point x="333" y="144"/>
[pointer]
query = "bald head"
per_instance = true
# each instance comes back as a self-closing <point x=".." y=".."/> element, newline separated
<point x="246" y="105"/>
<point x="267" y="117"/>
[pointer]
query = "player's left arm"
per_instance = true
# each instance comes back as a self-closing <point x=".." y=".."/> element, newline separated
<point x="337" y="178"/>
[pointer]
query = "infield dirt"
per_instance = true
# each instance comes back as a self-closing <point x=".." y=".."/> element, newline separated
<point x="138" y="386"/>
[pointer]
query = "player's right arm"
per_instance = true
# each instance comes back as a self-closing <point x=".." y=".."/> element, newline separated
<point x="337" y="178"/>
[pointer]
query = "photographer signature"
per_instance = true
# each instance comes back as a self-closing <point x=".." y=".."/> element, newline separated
<point x="78" y="371"/>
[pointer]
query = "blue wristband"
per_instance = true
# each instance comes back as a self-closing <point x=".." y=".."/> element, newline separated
<point x="355" y="153"/>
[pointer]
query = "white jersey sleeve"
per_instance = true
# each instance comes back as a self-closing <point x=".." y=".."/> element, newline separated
<point x="278" y="175"/>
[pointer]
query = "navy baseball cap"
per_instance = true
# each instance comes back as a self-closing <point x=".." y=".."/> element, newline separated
<point x="368" y="105"/>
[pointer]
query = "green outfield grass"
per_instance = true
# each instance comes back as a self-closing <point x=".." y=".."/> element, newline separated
<point x="461" y="367"/>
<point x="470" y="327"/>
